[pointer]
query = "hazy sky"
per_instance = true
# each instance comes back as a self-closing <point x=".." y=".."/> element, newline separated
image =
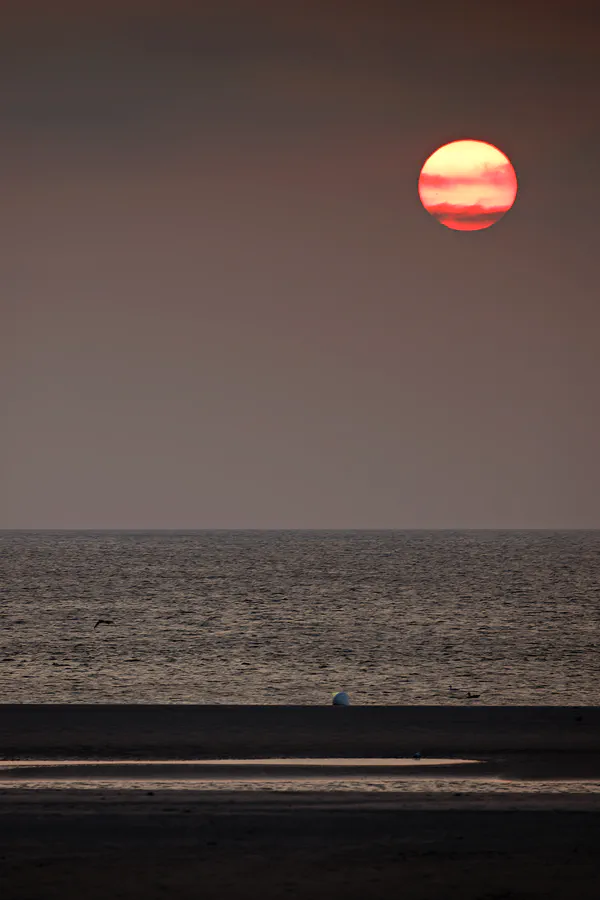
<point x="222" y="303"/>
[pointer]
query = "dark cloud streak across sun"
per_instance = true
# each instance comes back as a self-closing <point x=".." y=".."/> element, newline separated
<point x="466" y="215"/>
<point x="497" y="175"/>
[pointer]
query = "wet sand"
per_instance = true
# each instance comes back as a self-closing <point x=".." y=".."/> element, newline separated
<point x="523" y="766"/>
<point x="233" y="770"/>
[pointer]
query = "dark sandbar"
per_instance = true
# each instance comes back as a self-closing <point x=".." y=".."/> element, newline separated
<point x="209" y="732"/>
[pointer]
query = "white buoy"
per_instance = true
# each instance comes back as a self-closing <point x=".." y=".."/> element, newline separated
<point x="341" y="699"/>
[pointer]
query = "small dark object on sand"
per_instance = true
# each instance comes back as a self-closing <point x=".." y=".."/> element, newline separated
<point x="473" y="696"/>
<point x="104" y="622"/>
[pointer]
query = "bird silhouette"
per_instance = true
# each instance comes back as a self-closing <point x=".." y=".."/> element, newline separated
<point x="104" y="622"/>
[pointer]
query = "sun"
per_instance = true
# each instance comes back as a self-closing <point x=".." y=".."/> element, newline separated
<point x="467" y="185"/>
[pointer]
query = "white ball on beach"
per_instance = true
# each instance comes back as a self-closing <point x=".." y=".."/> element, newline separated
<point x="341" y="699"/>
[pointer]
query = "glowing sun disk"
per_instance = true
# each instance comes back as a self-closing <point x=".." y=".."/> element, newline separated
<point x="467" y="185"/>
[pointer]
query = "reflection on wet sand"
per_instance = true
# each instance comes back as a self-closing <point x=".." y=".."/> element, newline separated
<point x="187" y="772"/>
<point x="290" y="762"/>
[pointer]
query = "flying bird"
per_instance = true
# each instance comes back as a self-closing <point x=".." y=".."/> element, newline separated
<point x="104" y="622"/>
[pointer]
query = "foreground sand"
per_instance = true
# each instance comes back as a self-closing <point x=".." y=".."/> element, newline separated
<point x="98" y="844"/>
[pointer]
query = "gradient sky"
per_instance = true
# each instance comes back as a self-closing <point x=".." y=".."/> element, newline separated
<point x="223" y="304"/>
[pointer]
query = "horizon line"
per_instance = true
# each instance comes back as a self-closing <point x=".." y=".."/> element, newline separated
<point x="329" y="529"/>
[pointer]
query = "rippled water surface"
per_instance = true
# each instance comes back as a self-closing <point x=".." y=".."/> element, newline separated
<point x="458" y="787"/>
<point x="290" y="617"/>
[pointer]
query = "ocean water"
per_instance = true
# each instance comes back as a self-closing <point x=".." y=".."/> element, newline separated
<point x="463" y="787"/>
<point x="392" y="617"/>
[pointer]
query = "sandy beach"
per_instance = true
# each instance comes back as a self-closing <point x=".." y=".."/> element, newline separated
<point x="188" y="845"/>
<point x="147" y="843"/>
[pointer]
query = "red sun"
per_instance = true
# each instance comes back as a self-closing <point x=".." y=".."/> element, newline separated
<point x="467" y="185"/>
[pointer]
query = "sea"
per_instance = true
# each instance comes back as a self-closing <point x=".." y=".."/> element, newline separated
<point x="291" y="617"/>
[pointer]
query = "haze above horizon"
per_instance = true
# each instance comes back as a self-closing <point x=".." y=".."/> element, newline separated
<point x="223" y="305"/>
